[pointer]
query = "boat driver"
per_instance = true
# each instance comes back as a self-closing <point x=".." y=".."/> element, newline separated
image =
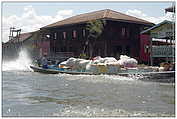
<point x="44" y="61"/>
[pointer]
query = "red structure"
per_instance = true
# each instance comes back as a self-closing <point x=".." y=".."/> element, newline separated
<point x="145" y="48"/>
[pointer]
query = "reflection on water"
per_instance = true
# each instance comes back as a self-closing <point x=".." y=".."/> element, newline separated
<point x="35" y="94"/>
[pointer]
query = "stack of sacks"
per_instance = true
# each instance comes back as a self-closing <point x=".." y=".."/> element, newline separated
<point x="75" y="63"/>
<point x="81" y="64"/>
<point x="100" y="65"/>
<point x="94" y="65"/>
<point x="108" y="60"/>
<point x="63" y="65"/>
<point x="68" y="63"/>
<point x="97" y="60"/>
<point x="103" y="65"/>
<point x="128" y="62"/>
<point x="112" y="64"/>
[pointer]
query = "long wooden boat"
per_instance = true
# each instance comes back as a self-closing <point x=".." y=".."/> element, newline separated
<point x="56" y="71"/>
<point x="165" y="76"/>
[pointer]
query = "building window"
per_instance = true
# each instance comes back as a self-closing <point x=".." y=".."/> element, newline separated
<point x="83" y="32"/>
<point x="64" y="35"/>
<point x="74" y="33"/>
<point x="55" y="35"/>
<point x="123" y="31"/>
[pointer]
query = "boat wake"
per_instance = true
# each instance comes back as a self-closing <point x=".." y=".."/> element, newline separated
<point x="22" y="63"/>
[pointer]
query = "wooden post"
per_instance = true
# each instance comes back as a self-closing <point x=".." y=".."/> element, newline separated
<point x="151" y="59"/>
<point x="166" y="53"/>
<point x="171" y="48"/>
<point x="105" y="48"/>
<point x="172" y="36"/>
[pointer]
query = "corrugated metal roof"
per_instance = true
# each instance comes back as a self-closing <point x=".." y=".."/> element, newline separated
<point x="156" y="26"/>
<point x="102" y="14"/>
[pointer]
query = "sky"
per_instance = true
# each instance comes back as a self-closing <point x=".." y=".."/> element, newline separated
<point x="31" y="16"/>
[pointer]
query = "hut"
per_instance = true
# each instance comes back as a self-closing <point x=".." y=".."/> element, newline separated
<point x="11" y="48"/>
<point x="160" y="40"/>
<point x="27" y="41"/>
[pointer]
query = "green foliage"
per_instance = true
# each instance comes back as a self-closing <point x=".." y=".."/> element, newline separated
<point x="95" y="28"/>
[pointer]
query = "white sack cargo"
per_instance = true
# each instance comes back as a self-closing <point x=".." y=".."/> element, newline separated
<point x="109" y="60"/>
<point x="126" y="61"/>
<point x="71" y="61"/>
<point x="97" y="60"/>
<point x="81" y="64"/>
<point x="97" y="65"/>
<point x="63" y="63"/>
<point x="76" y="63"/>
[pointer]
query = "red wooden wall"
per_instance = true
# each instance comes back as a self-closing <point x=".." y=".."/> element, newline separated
<point x="144" y="48"/>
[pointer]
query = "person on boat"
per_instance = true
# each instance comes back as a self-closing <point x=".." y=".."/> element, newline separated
<point x="44" y="62"/>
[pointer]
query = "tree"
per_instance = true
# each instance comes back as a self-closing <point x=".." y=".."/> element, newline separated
<point x="95" y="29"/>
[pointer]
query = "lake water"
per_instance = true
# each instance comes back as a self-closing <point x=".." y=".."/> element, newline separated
<point x="27" y="93"/>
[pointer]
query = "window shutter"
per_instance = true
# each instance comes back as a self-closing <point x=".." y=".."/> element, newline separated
<point x="64" y="35"/>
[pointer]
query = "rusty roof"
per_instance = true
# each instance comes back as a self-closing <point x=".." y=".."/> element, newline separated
<point x="102" y="14"/>
<point x="22" y="37"/>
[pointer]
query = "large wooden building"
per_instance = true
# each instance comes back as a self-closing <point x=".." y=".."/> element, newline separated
<point x="69" y="37"/>
<point x="121" y="35"/>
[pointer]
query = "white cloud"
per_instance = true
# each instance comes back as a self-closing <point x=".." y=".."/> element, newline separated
<point x="65" y="12"/>
<point x="30" y="21"/>
<point x="141" y="15"/>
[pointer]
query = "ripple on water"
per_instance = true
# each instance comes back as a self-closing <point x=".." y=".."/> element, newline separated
<point x="101" y="112"/>
<point x="34" y="94"/>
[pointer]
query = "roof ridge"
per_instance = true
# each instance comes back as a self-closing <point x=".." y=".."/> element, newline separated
<point x="76" y="16"/>
<point x="99" y="14"/>
<point x="106" y="13"/>
<point x="129" y="15"/>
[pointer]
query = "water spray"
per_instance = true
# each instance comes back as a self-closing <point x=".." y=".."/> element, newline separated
<point x="21" y="63"/>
